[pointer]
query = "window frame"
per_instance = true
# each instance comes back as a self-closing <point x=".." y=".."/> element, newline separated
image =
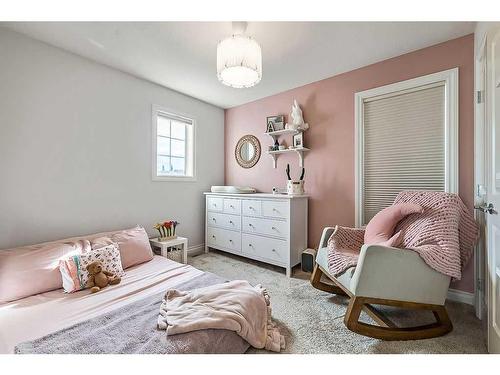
<point x="158" y="110"/>
<point x="450" y="79"/>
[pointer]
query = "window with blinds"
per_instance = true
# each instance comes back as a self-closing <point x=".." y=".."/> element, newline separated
<point x="406" y="139"/>
<point x="173" y="148"/>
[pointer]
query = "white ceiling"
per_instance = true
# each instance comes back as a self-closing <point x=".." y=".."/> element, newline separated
<point x="182" y="55"/>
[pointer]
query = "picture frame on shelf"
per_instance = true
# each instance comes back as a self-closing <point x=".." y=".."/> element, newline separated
<point x="298" y="140"/>
<point x="275" y="122"/>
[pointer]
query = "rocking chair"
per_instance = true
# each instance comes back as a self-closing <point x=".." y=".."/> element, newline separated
<point x="386" y="276"/>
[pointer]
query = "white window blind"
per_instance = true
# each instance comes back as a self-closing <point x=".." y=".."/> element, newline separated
<point x="173" y="148"/>
<point x="403" y="145"/>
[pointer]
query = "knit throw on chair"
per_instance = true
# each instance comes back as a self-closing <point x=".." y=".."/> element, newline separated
<point x="443" y="235"/>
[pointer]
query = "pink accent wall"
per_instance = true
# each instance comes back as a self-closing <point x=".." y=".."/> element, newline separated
<point x="328" y="107"/>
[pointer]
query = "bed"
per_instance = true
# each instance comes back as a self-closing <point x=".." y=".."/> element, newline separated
<point x="55" y="322"/>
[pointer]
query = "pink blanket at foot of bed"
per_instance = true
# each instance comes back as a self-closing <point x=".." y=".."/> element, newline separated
<point x="236" y="306"/>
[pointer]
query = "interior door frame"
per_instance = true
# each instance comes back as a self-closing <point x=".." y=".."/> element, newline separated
<point x="493" y="38"/>
<point x="480" y="72"/>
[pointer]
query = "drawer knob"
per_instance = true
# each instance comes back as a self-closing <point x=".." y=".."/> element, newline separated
<point x="275" y="210"/>
<point x="274" y="250"/>
<point x="250" y="207"/>
<point x="273" y="228"/>
<point x="250" y="224"/>
<point x="231" y="241"/>
<point x="250" y="245"/>
<point x="214" y="219"/>
<point x="213" y="236"/>
<point x="231" y="222"/>
<point x="231" y="206"/>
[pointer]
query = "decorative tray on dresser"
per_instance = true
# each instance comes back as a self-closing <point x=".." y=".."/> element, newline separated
<point x="271" y="228"/>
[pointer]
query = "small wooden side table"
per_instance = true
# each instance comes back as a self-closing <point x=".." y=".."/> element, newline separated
<point x="164" y="246"/>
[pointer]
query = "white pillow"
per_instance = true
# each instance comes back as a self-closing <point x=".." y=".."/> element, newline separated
<point x="74" y="269"/>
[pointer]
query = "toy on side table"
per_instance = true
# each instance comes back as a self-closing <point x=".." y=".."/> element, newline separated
<point x="167" y="230"/>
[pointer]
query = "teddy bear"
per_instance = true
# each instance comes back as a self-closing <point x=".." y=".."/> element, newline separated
<point x="99" y="278"/>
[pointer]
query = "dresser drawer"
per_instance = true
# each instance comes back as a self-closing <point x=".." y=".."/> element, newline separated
<point x="268" y="248"/>
<point x="226" y="239"/>
<point x="215" y="204"/>
<point x="275" y="209"/>
<point x="252" y="208"/>
<point x="256" y="225"/>
<point x="215" y="219"/>
<point x="232" y="206"/>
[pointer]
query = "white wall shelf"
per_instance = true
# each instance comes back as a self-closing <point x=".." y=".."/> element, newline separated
<point x="277" y="133"/>
<point x="299" y="151"/>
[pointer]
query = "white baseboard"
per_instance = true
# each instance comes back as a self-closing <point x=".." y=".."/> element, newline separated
<point x="460" y="296"/>
<point x="196" y="250"/>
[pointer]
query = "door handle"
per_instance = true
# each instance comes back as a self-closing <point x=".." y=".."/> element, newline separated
<point x="487" y="208"/>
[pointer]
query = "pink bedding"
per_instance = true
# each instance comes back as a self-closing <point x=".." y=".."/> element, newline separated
<point x="39" y="315"/>
<point x="19" y="264"/>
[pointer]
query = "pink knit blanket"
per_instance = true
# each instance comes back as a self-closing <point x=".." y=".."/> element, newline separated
<point x="443" y="235"/>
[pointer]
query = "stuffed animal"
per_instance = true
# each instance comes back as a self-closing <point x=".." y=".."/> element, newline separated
<point x="99" y="278"/>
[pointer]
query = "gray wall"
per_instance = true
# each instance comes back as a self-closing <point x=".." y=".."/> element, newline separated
<point x="75" y="148"/>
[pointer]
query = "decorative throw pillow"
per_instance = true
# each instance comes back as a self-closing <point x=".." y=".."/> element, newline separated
<point x="74" y="269"/>
<point x="133" y="245"/>
<point x="380" y="229"/>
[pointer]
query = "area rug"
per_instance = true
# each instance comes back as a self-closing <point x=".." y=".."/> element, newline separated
<point x="312" y="320"/>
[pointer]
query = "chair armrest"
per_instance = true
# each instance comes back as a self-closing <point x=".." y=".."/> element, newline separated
<point x="327" y="232"/>
<point x="397" y="274"/>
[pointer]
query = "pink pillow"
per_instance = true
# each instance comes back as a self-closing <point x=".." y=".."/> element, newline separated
<point x="380" y="229"/>
<point x="133" y="245"/>
<point x="29" y="270"/>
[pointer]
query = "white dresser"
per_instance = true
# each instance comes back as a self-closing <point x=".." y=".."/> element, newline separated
<point x="265" y="227"/>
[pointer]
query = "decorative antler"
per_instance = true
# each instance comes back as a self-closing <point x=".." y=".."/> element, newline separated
<point x="303" y="172"/>
<point x="288" y="171"/>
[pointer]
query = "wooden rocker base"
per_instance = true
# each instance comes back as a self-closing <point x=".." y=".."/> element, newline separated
<point x="318" y="284"/>
<point x="386" y="329"/>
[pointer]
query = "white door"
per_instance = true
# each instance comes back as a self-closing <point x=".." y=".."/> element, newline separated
<point x="492" y="202"/>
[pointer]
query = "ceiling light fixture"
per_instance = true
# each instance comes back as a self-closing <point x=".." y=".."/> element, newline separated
<point x="239" y="59"/>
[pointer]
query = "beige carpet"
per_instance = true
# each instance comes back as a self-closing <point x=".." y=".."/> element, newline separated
<point x="312" y="321"/>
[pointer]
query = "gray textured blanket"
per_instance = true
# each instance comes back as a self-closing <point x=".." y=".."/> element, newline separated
<point x="132" y="329"/>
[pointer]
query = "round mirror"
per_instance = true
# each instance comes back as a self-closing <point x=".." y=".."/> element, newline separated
<point x="247" y="151"/>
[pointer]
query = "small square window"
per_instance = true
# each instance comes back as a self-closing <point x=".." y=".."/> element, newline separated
<point x="173" y="146"/>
